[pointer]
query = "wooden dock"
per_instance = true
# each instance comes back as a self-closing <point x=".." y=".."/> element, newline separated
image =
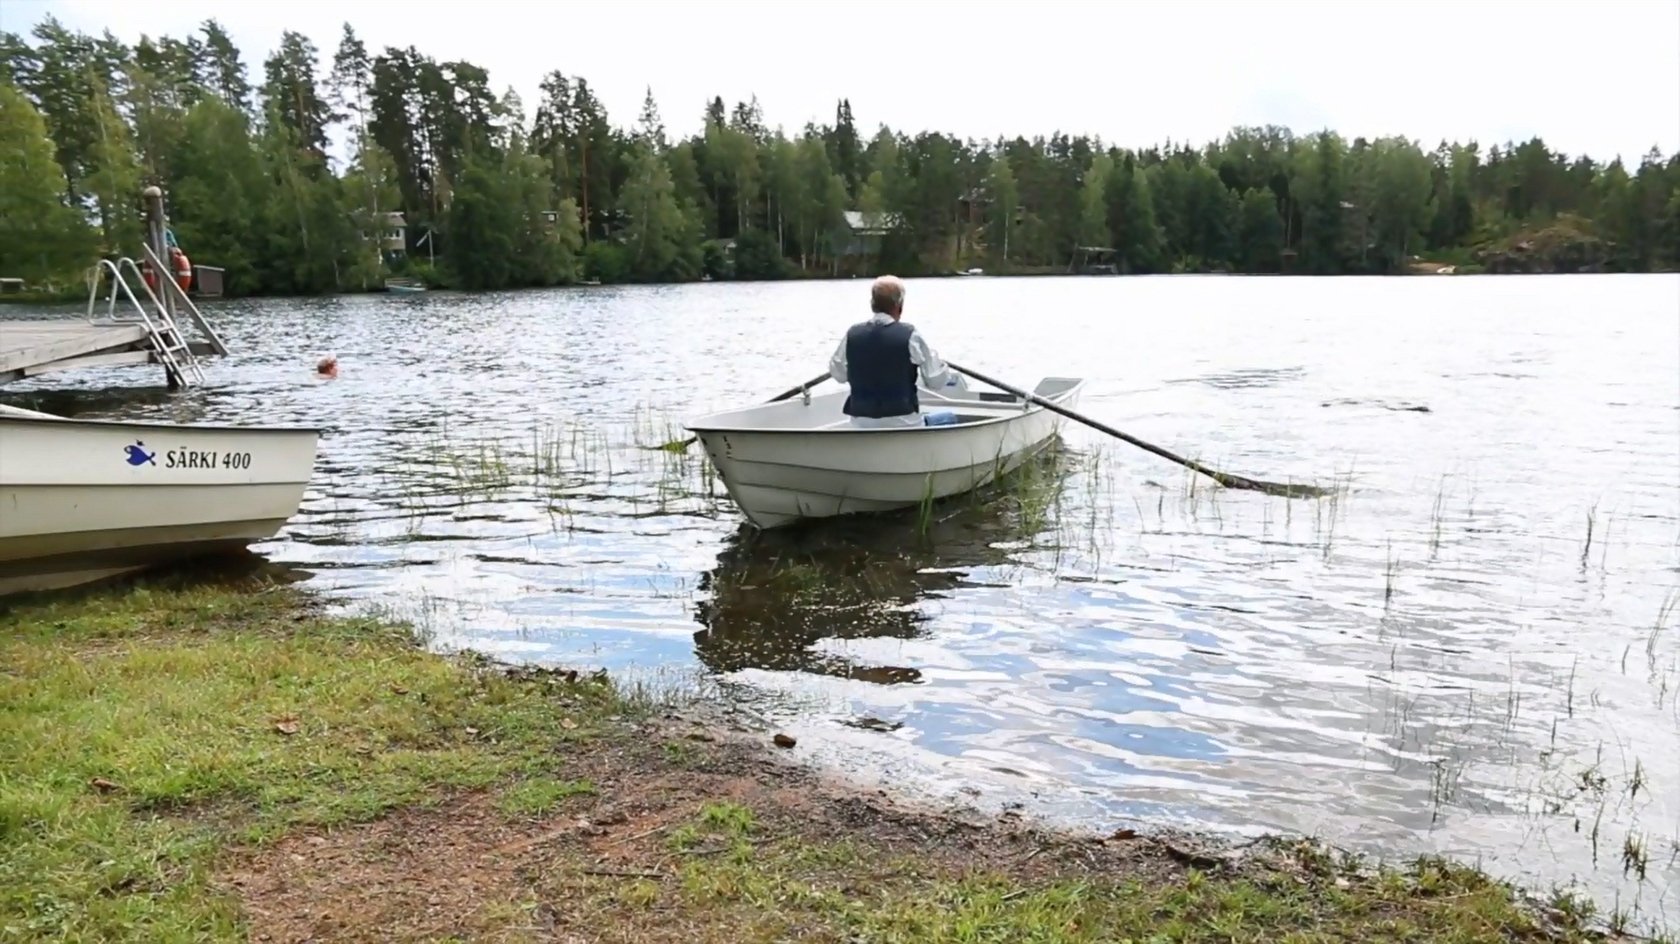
<point x="31" y="348"/>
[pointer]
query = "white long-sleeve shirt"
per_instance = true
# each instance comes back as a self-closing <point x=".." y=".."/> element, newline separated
<point x="935" y="374"/>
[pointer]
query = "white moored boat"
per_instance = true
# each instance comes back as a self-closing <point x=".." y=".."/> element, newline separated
<point x="81" y="500"/>
<point x="797" y="459"/>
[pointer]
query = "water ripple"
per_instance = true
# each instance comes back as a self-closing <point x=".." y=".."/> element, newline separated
<point x="1470" y="649"/>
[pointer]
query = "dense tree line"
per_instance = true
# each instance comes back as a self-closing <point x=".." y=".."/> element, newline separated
<point x="495" y="198"/>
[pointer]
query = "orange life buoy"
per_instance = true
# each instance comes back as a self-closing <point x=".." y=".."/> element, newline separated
<point x="183" y="268"/>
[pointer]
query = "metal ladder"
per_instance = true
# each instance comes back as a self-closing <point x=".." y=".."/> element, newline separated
<point x="169" y="346"/>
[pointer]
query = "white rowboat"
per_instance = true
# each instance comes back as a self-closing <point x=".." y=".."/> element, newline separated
<point x="81" y="500"/>
<point x="799" y="459"/>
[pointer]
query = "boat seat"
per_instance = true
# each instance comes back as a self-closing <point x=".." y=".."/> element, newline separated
<point x="956" y="419"/>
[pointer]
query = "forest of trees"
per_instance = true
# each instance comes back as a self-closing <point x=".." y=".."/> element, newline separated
<point x="495" y="197"/>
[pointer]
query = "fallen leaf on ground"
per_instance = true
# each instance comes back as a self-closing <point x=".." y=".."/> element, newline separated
<point x="567" y="723"/>
<point x="103" y="785"/>
<point x="287" y="728"/>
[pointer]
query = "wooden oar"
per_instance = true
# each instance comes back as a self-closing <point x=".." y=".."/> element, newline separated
<point x="1286" y="489"/>
<point x="679" y="445"/>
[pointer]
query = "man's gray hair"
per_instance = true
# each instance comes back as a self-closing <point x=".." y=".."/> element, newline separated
<point x="886" y="295"/>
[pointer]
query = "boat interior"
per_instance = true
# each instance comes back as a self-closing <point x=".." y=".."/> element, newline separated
<point x="825" y="412"/>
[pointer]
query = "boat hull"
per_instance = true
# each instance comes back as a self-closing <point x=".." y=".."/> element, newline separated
<point x="81" y="500"/>
<point x="782" y="476"/>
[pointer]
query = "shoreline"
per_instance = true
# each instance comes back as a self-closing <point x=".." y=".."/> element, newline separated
<point x="80" y="297"/>
<point x="224" y="761"/>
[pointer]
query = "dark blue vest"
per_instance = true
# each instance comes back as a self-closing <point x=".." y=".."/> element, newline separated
<point x="879" y="369"/>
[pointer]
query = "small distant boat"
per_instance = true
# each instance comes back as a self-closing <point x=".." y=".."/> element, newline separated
<point x="89" y="499"/>
<point x="404" y="285"/>
<point x="793" y="460"/>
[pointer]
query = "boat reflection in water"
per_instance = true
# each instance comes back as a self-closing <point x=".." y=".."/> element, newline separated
<point x="777" y="597"/>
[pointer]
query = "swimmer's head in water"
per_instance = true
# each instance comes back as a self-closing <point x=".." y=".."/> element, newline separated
<point x="327" y="367"/>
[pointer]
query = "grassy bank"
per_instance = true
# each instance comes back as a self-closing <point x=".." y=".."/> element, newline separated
<point x="192" y="763"/>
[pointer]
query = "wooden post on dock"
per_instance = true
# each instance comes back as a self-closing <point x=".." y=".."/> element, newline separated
<point x="157" y="228"/>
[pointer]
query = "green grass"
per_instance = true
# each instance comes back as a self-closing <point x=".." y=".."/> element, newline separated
<point x="841" y="889"/>
<point x="539" y="797"/>
<point x="141" y="732"/>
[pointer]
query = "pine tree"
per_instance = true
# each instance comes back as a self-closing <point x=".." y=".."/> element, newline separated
<point x="225" y="70"/>
<point x="648" y="126"/>
<point x="1133" y="230"/>
<point x="351" y="78"/>
<point x="848" y="148"/>
<point x="291" y="95"/>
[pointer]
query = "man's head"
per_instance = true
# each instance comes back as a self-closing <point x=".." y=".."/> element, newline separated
<point x="886" y="296"/>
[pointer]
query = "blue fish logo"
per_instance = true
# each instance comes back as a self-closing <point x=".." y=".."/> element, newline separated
<point x="137" y="455"/>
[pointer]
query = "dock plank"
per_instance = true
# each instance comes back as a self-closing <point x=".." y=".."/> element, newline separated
<point x="29" y="344"/>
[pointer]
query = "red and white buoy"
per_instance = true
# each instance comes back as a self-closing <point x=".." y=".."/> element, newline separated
<point x="183" y="267"/>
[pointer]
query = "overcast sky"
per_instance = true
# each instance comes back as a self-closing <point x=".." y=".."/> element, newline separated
<point x="1601" y="77"/>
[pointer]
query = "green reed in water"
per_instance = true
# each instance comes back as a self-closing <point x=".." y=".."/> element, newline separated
<point x="924" y="511"/>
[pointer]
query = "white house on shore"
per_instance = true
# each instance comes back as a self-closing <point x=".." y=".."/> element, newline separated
<point x="867" y="229"/>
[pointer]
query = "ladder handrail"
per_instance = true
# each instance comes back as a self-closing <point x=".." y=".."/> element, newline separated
<point x="95" y="280"/>
<point x="192" y="309"/>
<point x="118" y="282"/>
<point x="162" y="331"/>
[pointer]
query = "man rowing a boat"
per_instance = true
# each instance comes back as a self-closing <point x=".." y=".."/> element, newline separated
<point x="881" y="357"/>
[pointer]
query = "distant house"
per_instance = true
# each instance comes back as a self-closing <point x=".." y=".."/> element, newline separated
<point x="866" y="230"/>
<point x="1094" y="260"/>
<point x="395" y="237"/>
<point x="972" y="205"/>
<point x="864" y="223"/>
<point x="392" y="234"/>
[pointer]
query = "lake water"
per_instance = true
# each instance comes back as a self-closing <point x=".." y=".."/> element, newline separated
<point x="1468" y="651"/>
